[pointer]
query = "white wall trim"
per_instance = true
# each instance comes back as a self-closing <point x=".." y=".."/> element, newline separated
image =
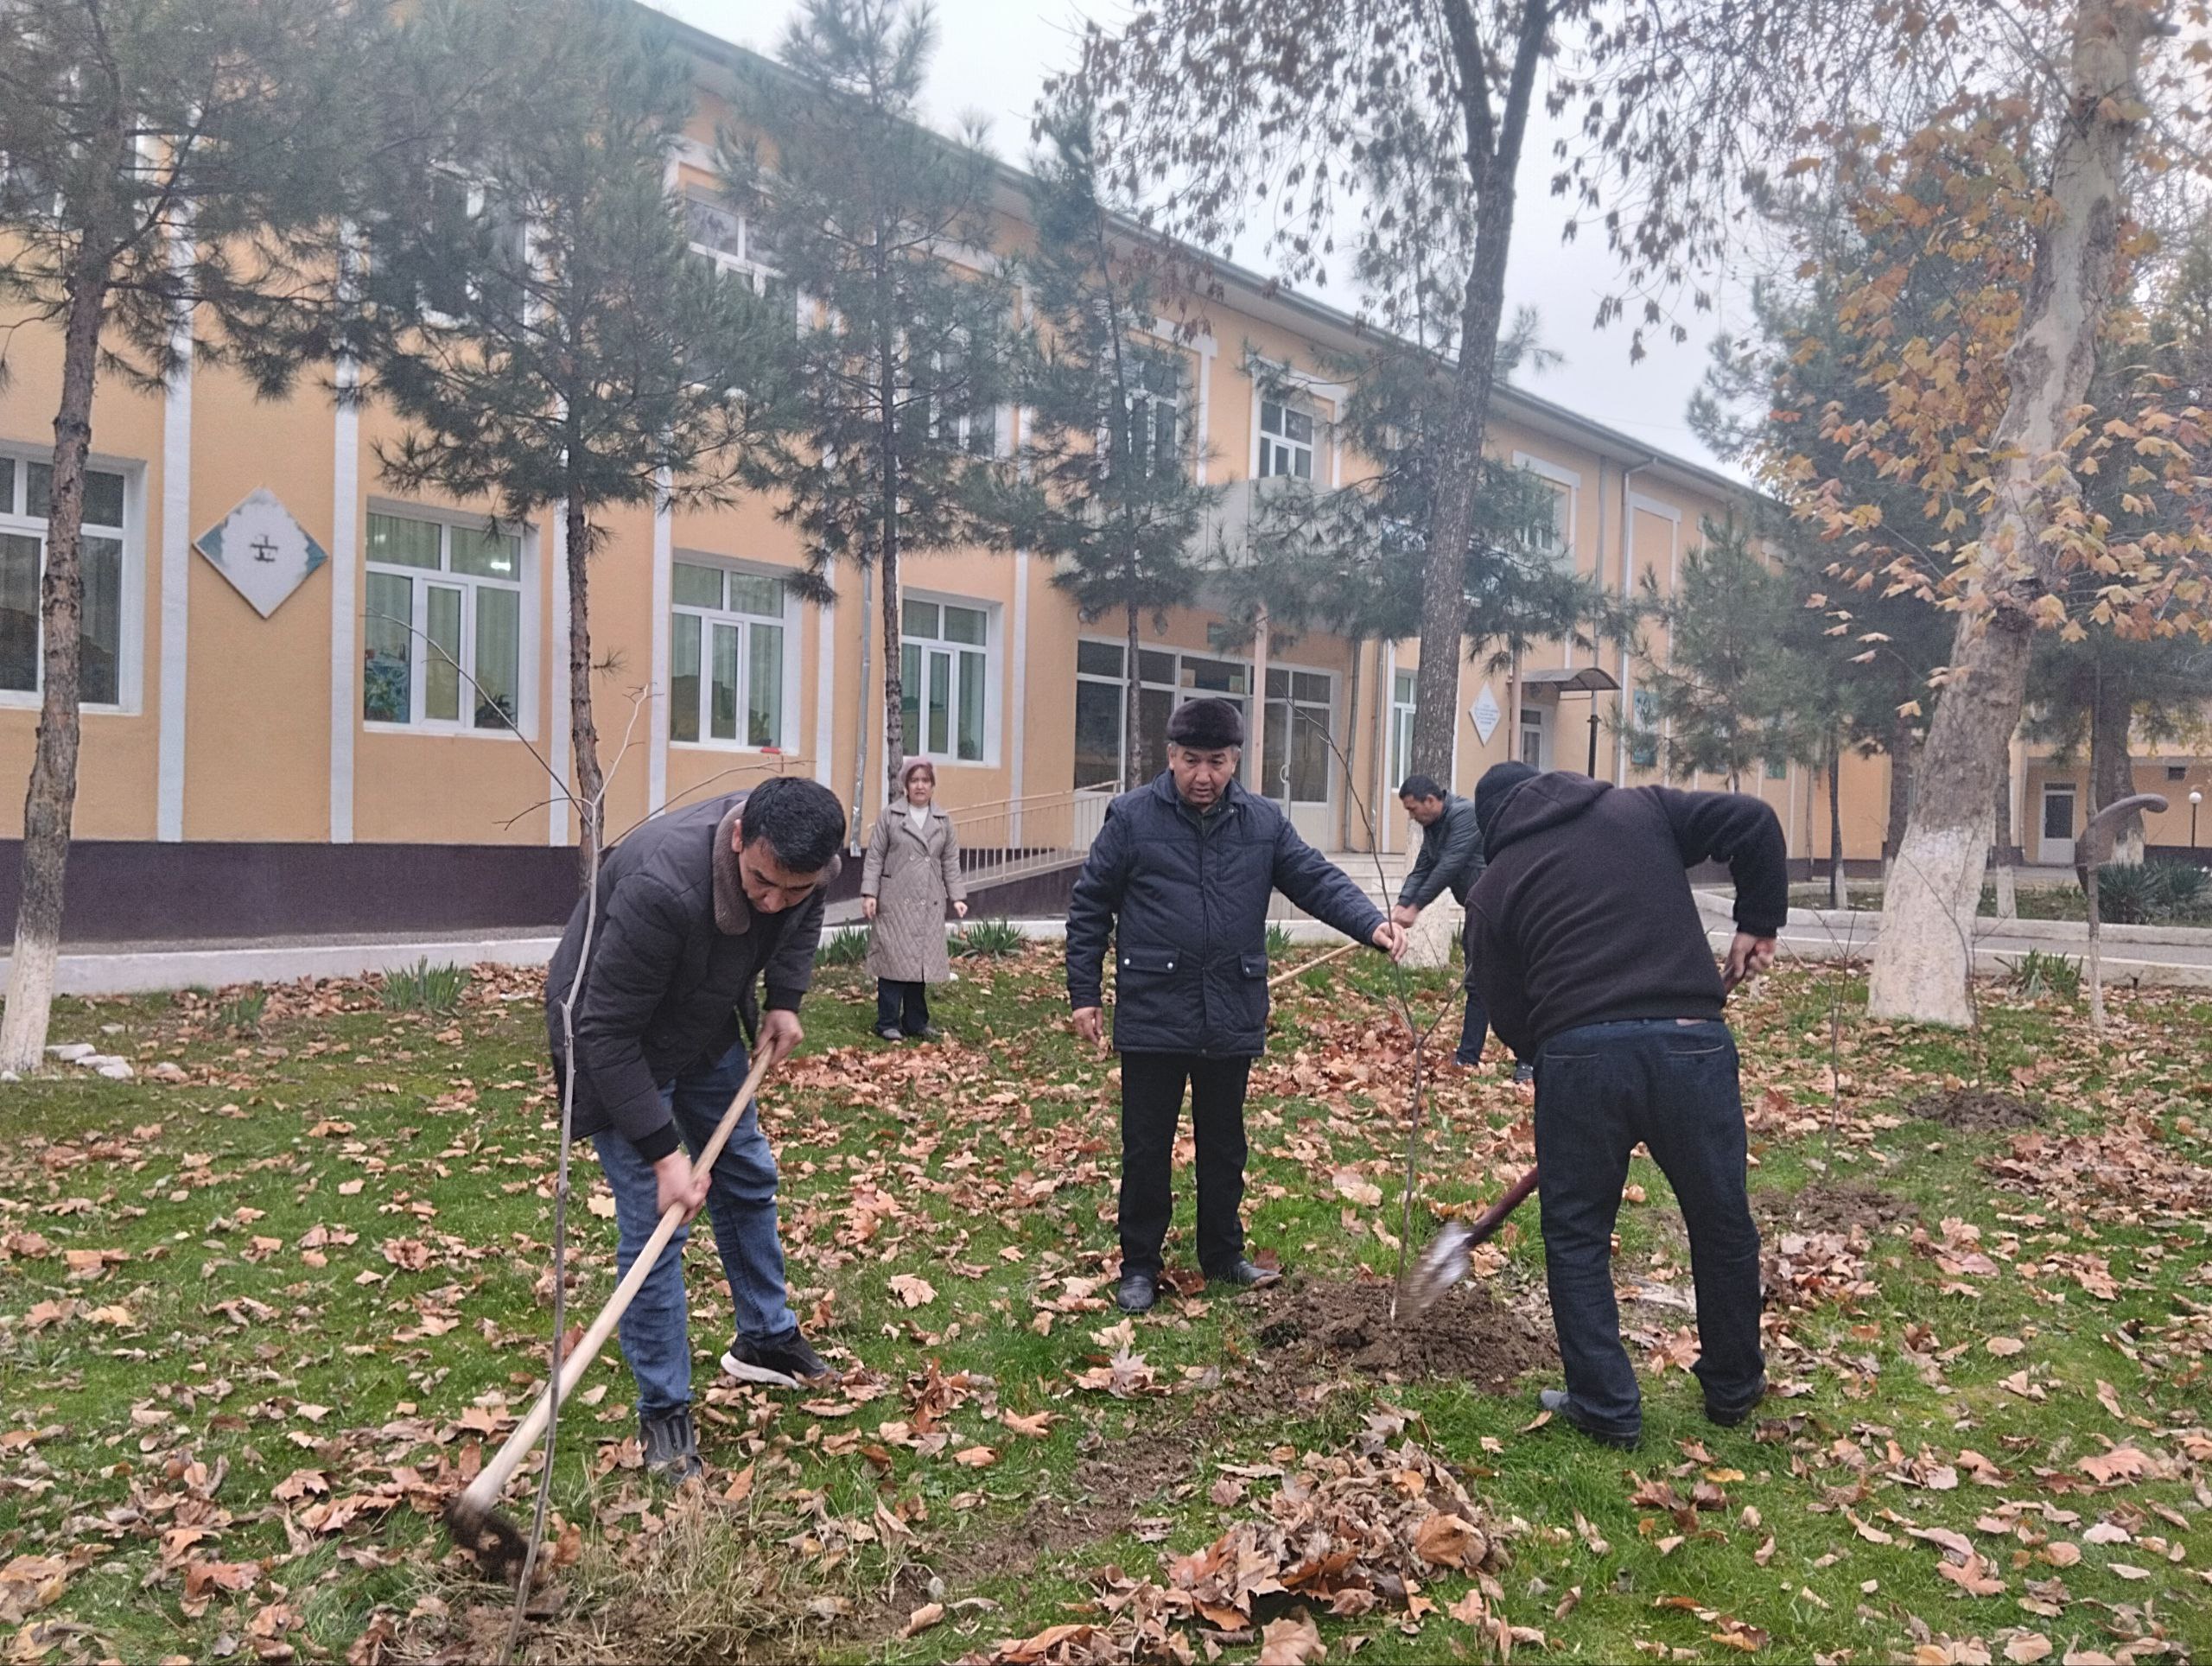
<point x="1652" y="507"/>
<point x="1018" y="729"/>
<point x="176" y="588"/>
<point x="344" y="587"/>
<point x="556" y="814"/>
<point x="658" y="694"/>
<point x="825" y="691"/>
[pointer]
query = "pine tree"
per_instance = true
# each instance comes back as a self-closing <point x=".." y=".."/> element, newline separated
<point x="168" y="170"/>
<point x="1108" y="484"/>
<point x="900" y="359"/>
<point x="532" y="308"/>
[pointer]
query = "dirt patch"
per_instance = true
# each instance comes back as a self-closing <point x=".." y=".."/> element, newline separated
<point x="1470" y="1336"/>
<point x="1975" y="1110"/>
<point x="1830" y="1206"/>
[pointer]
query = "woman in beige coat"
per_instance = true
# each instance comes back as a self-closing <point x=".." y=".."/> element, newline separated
<point x="912" y="870"/>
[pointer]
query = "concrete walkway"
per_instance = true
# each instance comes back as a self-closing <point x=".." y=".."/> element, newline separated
<point x="2178" y="956"/>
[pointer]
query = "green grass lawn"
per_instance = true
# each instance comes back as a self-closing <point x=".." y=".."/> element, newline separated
<point x="257" y="1325"/>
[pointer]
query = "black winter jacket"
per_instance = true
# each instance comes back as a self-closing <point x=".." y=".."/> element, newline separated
<point x="1187" y="901"/>
<point x="675" y="952"/>
<point x="1585" y="914"/>
<point x="1451" y="856"/>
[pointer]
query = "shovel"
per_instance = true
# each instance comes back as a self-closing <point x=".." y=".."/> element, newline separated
<point x="1444" y="1262"/>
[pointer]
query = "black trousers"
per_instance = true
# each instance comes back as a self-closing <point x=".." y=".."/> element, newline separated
<point x="1671" y="1084"/>
<point x="902" y="1006"/>
<point x="1152" y="1106"/>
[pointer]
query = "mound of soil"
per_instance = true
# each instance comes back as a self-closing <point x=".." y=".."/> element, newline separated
<point x="1469" y="1335"/>
<point x="1830" y="1206"/>
<point x="1975" y="1110"/>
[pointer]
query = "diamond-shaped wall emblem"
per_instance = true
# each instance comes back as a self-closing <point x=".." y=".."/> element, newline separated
<point x="264" y="553"/>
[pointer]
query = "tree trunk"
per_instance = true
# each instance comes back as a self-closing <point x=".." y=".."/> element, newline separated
<point x="1901" y="766"/>
<point x="2008" y="890"/>
<point x="1838" y="893"/>
<point x="1459" y="455"/>
<point x="2112" y="771"/>
<point x="1132" y="711"/>
<point x="583" y="729"/>
<point x="50" y="803"/>
<point x="1351" y="744"/>
<point x="1925" y="955"/>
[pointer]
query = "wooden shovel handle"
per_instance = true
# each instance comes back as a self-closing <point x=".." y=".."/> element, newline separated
<point x="1493" y="1218"/>
<point x="484" y="1491"/>
<point x="1337" y="953"/>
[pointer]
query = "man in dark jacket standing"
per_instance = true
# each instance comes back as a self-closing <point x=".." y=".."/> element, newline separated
<point x="1592" y="958"/>
<point x="1451" y="860"/>
<point x="1180" y="874"/>
<point x="695" y="907"/>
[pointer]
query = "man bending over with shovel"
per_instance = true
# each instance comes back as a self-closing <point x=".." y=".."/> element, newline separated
<point x="695" y="907"/>
<point x="1593" y="959"/>
<point x="1180" y="874"/>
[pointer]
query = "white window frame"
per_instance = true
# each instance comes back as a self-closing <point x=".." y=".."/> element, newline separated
<point x="1182" y="692"/>
<point x="1567" y="487"/>
<point x="1402" y="727"/>
<point x="131" y="657"/>
<point x="994" y="651"/>
<point x="1536" y="718"/>
<point x="787" y="621"/>
<point x="1279" y="764"/>
<point x="1145" y="348"/>
<point x="1262" y="440"/>
<point x="418" y="648"/>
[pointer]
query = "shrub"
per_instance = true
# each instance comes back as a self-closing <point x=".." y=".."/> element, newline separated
<point x="847" y="946"/>
<point x="1279" y="943"/>
<point x="989" y="939"/>
<point x="244" y="1011"/>
<point x="423" y="988"/>
<point x="2151" y="894"/>
<point x="2036" y="975"/>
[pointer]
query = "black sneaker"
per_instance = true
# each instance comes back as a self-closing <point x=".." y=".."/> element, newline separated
<point x="1137" y="1293"/>
<point x="785" y="1363"/>
<point x="1729" y="1417"/>
<point x="1555" y="1400"/>
<point x="1246" y="1275"/>
<point x="671" y="1446"/>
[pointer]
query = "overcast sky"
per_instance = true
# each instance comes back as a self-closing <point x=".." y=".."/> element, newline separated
<point x="993" y="58"/>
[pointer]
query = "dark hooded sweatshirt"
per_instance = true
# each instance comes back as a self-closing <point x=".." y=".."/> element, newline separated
<point x="1585" y="914"/>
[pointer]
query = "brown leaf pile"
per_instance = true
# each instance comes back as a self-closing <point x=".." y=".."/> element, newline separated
<point x="1348" y="1533"/>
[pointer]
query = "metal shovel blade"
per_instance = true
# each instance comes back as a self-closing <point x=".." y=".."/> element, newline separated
<point x="1438" y="1267"/>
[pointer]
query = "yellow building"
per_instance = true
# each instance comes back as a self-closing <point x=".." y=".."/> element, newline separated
<point x="261" y="754"/>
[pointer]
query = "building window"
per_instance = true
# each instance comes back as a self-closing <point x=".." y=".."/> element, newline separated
<point x="1165" y="679"/>
<point x="1299" y="727"/>
<point x="26" y="487"/>
<point x="732" y="245"/>
<point x="1152" y="438"/>
<point x="944" y="666"/>
<point x="726" y="645"/>
<point x="2176" y="772"/>
<point x="1554" y="535"/>
<point x="1401" y="728"/>
<point x="954" y="419"/>
<point x="443" y="640"/>
<point x="1643" y="744"/>
<point x="1532" y="738"/>
<point x="1777" y="767"/>
<point x="1286" y="442"/>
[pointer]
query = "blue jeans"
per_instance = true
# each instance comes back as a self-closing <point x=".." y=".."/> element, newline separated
<point x="741" y="1202"/>
<point x="1672" y="1084"/>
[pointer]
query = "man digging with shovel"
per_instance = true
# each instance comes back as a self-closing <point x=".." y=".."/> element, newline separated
<point x="1180" y="875"/>
<point x="1592" y="960"/>
<point x="695" y="908"/>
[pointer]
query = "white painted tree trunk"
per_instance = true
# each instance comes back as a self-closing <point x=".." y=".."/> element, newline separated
<point x="1430" y="941"/>
<point x="1925" y="954"/>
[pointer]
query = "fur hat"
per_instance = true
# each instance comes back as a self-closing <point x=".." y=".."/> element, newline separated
<point x="1206" y="725"/>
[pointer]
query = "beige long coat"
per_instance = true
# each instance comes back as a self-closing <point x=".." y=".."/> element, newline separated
<point x="911" y="876"/>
